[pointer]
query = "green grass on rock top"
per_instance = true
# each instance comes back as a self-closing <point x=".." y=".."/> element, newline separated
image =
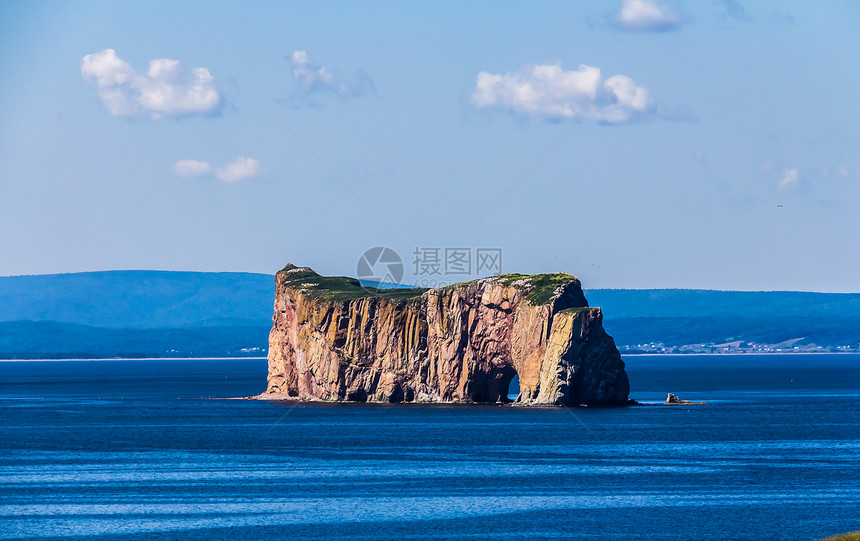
<point x="850" y="536"/>
<point x="544" y="285"/>
<point x="344" y="288"/>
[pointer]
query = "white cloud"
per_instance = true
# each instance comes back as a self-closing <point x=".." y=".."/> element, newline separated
<point x="646" y="16"/>
<point x="790" y="179"/>
<point x="317" y="79"/>
<point x="191" y="168"/>
<point x="241" y="168"/>
<point x="166" y="89"/>
<point x="548" y="90"/>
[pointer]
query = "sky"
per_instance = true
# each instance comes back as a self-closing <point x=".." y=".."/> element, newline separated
<point x="634" y="143"/>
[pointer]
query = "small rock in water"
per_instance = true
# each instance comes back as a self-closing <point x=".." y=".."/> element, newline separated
<point x="673" y="399"/>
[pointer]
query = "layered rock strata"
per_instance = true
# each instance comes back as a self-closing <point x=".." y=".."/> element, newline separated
<point x="333" y="340"/>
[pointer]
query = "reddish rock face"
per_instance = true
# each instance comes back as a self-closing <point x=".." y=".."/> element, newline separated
<point x="461" y="343"/>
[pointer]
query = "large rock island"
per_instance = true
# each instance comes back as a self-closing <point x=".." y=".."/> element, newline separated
<point x="334" y="340"/>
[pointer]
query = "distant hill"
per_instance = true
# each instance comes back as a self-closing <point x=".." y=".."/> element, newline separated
<point x="174" y="314"/>
<point x="637" y="303"/>
<point x="782" y="332"/>
<point x="135" y="314"/>
<point x="768" y="319"/>
<point x="53" y="340"/>
<point x="140" y="299"/>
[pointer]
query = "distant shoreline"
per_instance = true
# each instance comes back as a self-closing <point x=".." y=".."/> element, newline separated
<point x="738" y="354"/>
<point x="261" y="358"/>
<point x="136" y="359"/>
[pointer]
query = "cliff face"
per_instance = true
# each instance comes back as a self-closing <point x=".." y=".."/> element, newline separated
<point x="333" y="340"/>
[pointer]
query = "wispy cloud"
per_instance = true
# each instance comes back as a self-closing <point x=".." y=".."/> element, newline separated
<point x="166" y="89"/>
<point x="782" y="17"/>
<point x="549" y="91"/>
<point x="734" y="9"/>
<point x="646" y="16"/>
<point x="314" y="79"/>
<point x="790" y="180"/>
<point x="838" y="171"/>
<point x="242" y="168"/>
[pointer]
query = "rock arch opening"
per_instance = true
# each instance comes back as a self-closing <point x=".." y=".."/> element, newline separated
<point x="513" y="391"/>
<point x="493" y="387"/>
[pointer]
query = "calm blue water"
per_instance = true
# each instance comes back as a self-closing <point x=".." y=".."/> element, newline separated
<point x="137" y="450"/>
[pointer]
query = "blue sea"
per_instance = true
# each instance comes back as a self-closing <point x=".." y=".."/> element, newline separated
<point x="151" y="450"/>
